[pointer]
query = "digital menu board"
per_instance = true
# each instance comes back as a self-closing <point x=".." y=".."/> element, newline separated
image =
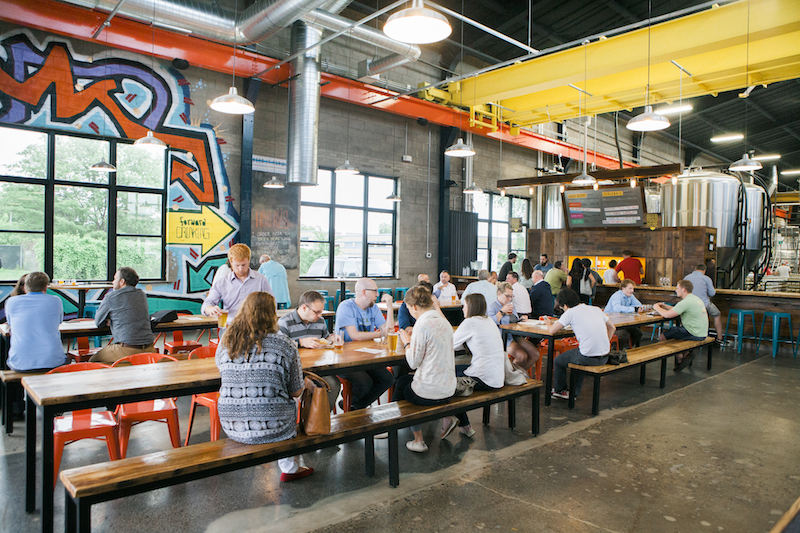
<point x="605" y="207"/>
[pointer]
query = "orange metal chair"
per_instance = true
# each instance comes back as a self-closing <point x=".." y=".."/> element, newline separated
<point x="214" y="342"/>
<point x="178" y="345"/>
<point x="84" y="352"/>
<point x="208" y="399"/>
<point x="83" y="424"/>
<point x="162" y="410"/>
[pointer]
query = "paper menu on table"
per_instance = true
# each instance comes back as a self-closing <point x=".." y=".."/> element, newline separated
<point x="369" y="350"/>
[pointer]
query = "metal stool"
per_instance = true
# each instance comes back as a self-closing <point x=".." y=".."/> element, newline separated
<point x="659" y="328"/>
<point x="383" y="291"/>
<point x="329" y="303"/>
<point x="776" y="330"/>
<point x="400" y="293"/>
<point x="740" y="316"/>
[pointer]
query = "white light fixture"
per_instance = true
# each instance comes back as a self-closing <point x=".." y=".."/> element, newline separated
<point x="766" y="157"/>
<point x="633" y="183"/>
<point x="150" y="142"/>
<point x="473" y="189"/>
<point x="273" y="183"/>
<point x="530" y="191"/>
<point x="232" y="103"/>
<point x="745" y="164"/>
<point x="346" y="170"/>
<point x="417" y="25"/>
<point x="502" y="192"/>
<point x="791" y="172"/>
<point x="595" y="186"/>
<point x="561" y="188"/>
<point x="459" y="149"/>
<point x="583" y="178"/>
<point x="648" y="121"/>
<point x="674" y="180"/>
<point x="102" y="166"/>
<point x="673" y="109"/>
<point x="394" y="198"/>
<point x="728" y="137"/>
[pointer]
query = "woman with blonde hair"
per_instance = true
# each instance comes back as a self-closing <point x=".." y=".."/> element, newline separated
<point x="261" y="376"/>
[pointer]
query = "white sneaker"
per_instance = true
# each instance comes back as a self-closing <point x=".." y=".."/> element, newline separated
<point x="448" y="425"/>
<point x="467" y="431"/>
<point x="564" y="394"/>
<point x="415" y="446"/>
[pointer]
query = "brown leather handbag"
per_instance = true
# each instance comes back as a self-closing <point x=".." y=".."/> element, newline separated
<point x="315" y="411"/>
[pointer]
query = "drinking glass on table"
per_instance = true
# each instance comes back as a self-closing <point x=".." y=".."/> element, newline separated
<point x="392" y="340"/>
<point x="338" y="341"/>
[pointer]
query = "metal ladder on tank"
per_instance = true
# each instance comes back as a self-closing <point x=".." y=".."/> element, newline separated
<point x="740" y="243"/>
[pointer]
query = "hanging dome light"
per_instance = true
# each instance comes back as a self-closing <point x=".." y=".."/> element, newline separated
<point x="394" y="198"/>
<point x="584" y="179"/>
<point x="417" y="25"/>
<point x="102" y="166"/>
<point x="273" y="183"/>
<point x="150" y="142"/>
<point x="605" y="182"/>
<point x="473" y="189"/>
<point x="648" y="121"/>
<point x="346" y="170"/>
<point x="745" y="164"/>
<point x="232" y="103"/>
<point x="459" y="149"/>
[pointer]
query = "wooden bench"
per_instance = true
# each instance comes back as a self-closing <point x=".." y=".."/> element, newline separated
<point x="10" y="381"/>
<point x="87" y="485"/>
<point x="790" y="521"/>
<point x="636" y="357"/>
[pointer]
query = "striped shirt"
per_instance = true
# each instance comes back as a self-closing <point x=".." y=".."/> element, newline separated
<point x="293" y="327"/>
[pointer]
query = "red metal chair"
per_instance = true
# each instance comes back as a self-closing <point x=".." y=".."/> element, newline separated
<point x="178" y="345"/>
<point x="214" y="342"/>
<point x="83" y="352"/>
<point x="162" y="410"/>
<point x="83" y="424"/>
<point x="208" y="399"/>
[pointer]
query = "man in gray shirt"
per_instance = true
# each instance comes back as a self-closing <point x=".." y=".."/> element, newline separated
<point x="125" y="309"/>
<point x="704" y="289"/>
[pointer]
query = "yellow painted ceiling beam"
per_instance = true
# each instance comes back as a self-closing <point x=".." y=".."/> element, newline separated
<point x="711" y="44"/>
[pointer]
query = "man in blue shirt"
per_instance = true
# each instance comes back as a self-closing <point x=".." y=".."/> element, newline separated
<point x="704" y="289"/>
<point x="623" y="301"/>
<point x="544" y="264"/>
<point x="276" y="275"/>
<point x="358" y="319"/>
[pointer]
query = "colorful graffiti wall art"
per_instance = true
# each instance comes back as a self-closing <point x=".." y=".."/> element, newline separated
<point x="46" y="84"/>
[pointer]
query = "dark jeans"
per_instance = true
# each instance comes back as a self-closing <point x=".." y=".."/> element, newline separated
<point x="625" y="334"/>
<point x="463" y="419"/>
<point x="573" y="356"/>
<point x="368" y="385"/>
<point x="403" y="391"/>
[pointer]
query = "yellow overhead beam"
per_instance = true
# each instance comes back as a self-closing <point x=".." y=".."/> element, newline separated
<point x="711" y="45"/>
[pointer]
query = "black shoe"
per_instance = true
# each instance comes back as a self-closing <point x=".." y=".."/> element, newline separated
<point x="687" y="361"/>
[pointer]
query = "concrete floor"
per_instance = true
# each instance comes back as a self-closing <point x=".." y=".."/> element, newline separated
<point x="713" y="451"/>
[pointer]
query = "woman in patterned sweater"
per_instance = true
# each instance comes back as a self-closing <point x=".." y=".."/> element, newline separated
<point x="261" y="376"/>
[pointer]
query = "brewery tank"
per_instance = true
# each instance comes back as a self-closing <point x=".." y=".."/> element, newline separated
<point x="709" y="199"/>
<point x="553" y="210"/>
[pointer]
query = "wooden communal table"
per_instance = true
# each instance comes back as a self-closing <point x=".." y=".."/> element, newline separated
<point x="82" y="289"/>
<point x="52" y="394"/>
<point x="451" y="310"/>
<point x="620" y="320"/>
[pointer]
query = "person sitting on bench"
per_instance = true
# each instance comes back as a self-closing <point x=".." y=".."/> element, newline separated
<point x="623" y="301"/>
<point x="694" y="321"/>
<point x="593" y="330"/>
<point x="261" y="376"/>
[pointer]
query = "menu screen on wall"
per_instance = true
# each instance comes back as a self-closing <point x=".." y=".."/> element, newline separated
<point x="605" y="207"/>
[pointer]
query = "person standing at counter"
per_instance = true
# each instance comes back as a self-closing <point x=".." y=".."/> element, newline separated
<point x="556" y="277"/>
<point x="623" y="301"/>
<point x="694" y="321"/>
<point x="704" y="289"/>
<point x="610" y="276"/>
<point x="276" y="275"/>
<point x="541" y="296"/>
<point x="630" y="267"/>
<point x="507" y="267"/>
<point x="233" y="287"/>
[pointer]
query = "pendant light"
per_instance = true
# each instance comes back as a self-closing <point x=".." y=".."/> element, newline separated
<point x="745" y="164"/>
<point x="648" y="121"/>
<point x="232" y="103"/>
<point x="417" y="25"/>
<point x="150" y="142"/>
<point x="460" y="149"/>
<point x="102" y="166"/>
<point x="273" y="183"/>
<point x="394" y="198"/>
<point x="472" y="189"/>
<point x="347" y="169"/>
<point x="583" y="178"/>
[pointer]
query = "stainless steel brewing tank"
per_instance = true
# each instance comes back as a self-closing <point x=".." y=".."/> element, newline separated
<point x="755" y="212"/>
<point x="553" y="210"/>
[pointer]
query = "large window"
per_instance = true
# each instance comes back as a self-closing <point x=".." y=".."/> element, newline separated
<point x="496" y="238"/>
<point x="347" y="227"/>
<point x="60" y="217"/>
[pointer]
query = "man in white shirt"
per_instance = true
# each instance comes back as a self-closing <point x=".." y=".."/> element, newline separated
<point x="783" y="270"/>
<point x="593" y="330"/>
<point x="610" y="276"/>
<point x="482" y="286"/>
<point x="444" y="290"/>
<point x="521" y="299"/>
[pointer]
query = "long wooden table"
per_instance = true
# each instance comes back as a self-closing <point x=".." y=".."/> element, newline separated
<point x="82" y="289"/>
<point x="620" y="320"/>
<point x="57" y="393"/>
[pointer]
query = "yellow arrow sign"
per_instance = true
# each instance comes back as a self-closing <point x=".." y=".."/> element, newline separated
<point x="205" y="228"/>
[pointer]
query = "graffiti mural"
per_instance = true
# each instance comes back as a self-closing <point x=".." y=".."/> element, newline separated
<point x="48" y="85"/>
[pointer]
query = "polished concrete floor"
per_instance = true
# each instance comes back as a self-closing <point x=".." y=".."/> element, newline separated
<point x="713" y="451"/>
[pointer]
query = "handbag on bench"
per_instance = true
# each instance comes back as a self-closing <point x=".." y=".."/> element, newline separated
<point x="617" y="357"/>
<point x="315" y="410"/>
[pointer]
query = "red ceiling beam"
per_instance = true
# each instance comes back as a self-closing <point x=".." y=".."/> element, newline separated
<point x="125" y="34"/>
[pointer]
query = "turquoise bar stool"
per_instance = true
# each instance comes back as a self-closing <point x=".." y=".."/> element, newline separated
<point x="400" y="293"/>
<point x="383" y="291"/>
<point x="329" y="303"/>
<point x="776" y="330"/>
<point x="322" y="292"/>
<point x="741" y="314"/>
<point x="659" y="327"/>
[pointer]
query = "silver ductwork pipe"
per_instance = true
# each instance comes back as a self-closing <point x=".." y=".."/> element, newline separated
<point x="304" y="95"/>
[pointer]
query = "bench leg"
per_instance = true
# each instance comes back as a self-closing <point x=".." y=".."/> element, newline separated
<point x="3" y="401"/>
<point x="394" y="459"/>
<point x="69" y="513"/>
<point x="486" y="412"/>
<point x="642" y="374"/>
<point x="573" y="383"/>
<point x="663" y="382"/>
<point x="596" y="396"/>
<point x="30" y="456"/>
<point x="84" y="516"/>
<point x="512" y="413"/>
<point x="710" y="349"/>
<point x="535" y="412"/>
<point x="369" y="455"/>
